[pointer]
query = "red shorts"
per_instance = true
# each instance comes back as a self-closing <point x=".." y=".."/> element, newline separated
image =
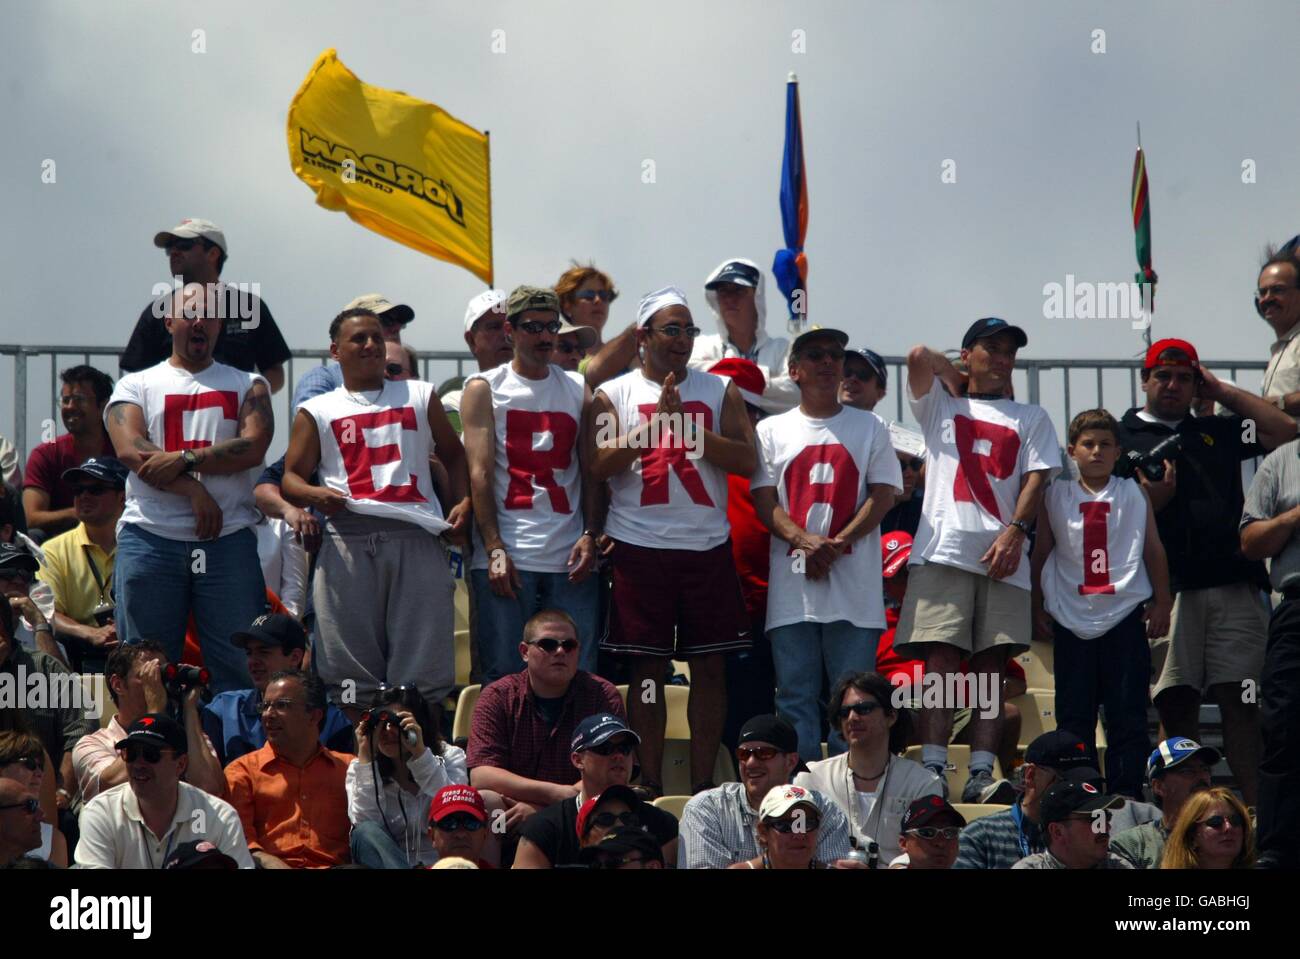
<point x="675" y="603"/>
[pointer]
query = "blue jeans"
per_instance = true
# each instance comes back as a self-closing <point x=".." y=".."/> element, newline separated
<point x="159" y="582"/>
<point x="500" y="621"/>
<point x="800" y="653"/>
<point x="372" y="846"/>
<point x="1111" y="671"/>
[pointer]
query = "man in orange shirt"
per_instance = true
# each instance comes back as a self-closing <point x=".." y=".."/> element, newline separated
<point x="290" y="794"/>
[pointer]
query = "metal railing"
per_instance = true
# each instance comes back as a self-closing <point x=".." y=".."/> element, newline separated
<point x="1056" y="385"/>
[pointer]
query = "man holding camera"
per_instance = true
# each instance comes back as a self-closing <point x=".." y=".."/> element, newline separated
<point x="1191" y="468"/>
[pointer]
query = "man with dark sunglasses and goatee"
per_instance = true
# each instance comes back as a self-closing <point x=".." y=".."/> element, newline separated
<point x="602" y="751"/>
<point x="138" y="824"/>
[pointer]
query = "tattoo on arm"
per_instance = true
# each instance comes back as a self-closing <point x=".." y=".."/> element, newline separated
<point x="228" y="449"/>
<point x="144" y="446"/>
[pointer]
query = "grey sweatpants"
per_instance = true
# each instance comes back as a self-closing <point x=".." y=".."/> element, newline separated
<point x="383" y="598"/>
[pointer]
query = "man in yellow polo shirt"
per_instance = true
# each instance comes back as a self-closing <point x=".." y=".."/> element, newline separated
<point x="79" y="563"/>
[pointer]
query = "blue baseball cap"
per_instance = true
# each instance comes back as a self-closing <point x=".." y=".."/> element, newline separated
<point x="596" y="729"/>
<point x="1174" y="752"/>
<point x="992" y="326"/>
<point x="873" y="360"/>
<point x="106" y="469"/>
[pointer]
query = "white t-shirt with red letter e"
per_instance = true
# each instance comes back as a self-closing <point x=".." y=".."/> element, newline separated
<point x="188" y="411"/>
<point x="537" y="484"/>
<point x="671" y="497"/>
<point x="976" y="453"/>
<point x="374" y="448"/>
<point x="821" y="469"/>
<point x="1095" y="576"/>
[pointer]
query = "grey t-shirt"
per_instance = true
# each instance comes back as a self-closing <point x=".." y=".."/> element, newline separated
<point x="1275" y="490"/>
<point x="1045" y="860"/>
<point x="1142" y="845"/>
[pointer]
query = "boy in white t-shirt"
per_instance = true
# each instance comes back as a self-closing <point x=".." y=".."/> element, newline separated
<point x="988" y="461"/>
<point x="1097" y="557"/>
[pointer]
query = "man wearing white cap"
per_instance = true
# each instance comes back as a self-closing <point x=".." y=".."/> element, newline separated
<point x="393" y="318"/>
<point x="249" y="341"/>
<point x="486" y="337"/>
<point x="665" y="437"/>
<point x="909" y="446"/>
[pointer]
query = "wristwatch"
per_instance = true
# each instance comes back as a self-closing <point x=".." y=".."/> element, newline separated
<point x="1021" y="525"/>
<point x="191" y="460"/>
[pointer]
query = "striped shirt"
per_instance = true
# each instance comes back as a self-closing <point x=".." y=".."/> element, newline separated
<point x="717" y="829"/>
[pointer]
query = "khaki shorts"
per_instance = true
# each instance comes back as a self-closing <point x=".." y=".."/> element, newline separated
<point x="1216" y="635"/>
<point x="945" y="604"/>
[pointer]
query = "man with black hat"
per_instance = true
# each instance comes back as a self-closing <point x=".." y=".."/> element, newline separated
<point x="601" y="751"/>
<point x="865" y="381"/>
<point x="535" y="524"/>
<point x="928" y="837"/>
<point x="1075" y="816"/>
<point x="79" y="563"/>
<point x="196" y="251"/>
<point x="989" y="459"/>
<point x="138" y="824"/>
<point x="1177" y="769"/>
<point x="233" y="720"/>
<point x="717" y="827"/>
<point x="826" y="476"/>
<point x="624" y="847"/>
<point x="1001" y="840"/>
<point x="1216" y="641"/>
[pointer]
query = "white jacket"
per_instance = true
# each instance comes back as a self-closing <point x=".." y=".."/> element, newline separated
<point x="770" y="353"/>
<point x="403" y="814"/>
<point x="903" y="782"/>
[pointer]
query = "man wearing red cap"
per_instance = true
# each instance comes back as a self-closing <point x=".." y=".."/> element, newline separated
<point x="458" y="824"/>
<point x="1217" y="631"/>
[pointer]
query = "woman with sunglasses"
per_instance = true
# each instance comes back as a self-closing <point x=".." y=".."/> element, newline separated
<point x="871" y="782"/>
<point x="1213" y="831"/>
<point x="401" y="765"/>
<point x="23" y="760"/>
<point x="787" y="830"/>
<point x="585" y="294"/>
<point x="600" y="815"/>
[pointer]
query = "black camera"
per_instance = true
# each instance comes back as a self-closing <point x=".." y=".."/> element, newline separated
<point x="389" y="699"/>
<point x="180" y="679"/>
<point x="1152" y="462"/>
<point x="103" y="614"/>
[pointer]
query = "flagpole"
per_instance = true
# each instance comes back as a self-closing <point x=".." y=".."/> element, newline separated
<point x="487" y="145"/>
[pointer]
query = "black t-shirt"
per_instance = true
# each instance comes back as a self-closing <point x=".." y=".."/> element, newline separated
<point x="550" y="708"/>
<point x="554" y="829"/>
<point x="251" y="350"/>
<point x="1199" y="526"/>
<point x="906" y="516"/>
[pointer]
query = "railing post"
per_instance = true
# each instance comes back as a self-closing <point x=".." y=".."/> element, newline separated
<point x="20" y="402"/>
<point x="1032" y="373"/>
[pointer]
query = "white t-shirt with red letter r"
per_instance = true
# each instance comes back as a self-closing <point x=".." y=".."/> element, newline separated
<point x="374" y="449"/>
<point x="188" y="411"/>
<point x="821" y="469"/>
<point x="976" y="453"/>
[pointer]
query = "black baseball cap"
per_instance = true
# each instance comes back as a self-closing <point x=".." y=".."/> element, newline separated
<point x="15" y="557"/>
<point x="1060" y="750"/>
<point x="274" y="629"/>
<point x="200" y="854"/>
<point x="1074" y="794"/>
<point x="621" y="842"/>
<point x="820" y="332"/>
<point x="873" y="360"/>
<point x="770" y="729"/>
<point x="741" y="274"/>
<point x="106" y="469"/>
<point x="155" y="729"/>
<point x="925" y="810"/>
<point x="596" y="729"/>
<point x="992" y="326"/>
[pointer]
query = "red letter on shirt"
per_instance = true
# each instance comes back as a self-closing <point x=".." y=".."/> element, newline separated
<point x="840" y="490"/>
<point x="527" y="465"/>
<point x="974" y="469"/>
<point x="176" y="405"/>
<point x="1096" y="550"/>
<point x="671" y="454"/>
<point x="358" y="458"/>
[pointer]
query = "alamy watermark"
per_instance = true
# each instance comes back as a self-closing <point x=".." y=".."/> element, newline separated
<point x="977" y="691"/>
<point x="37" y="690"/>
<point x="1084" y="300"/>
<point x="219" y="301"/>
<point x="684" y="431"/>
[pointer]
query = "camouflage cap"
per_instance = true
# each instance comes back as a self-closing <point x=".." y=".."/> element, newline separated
<point x="524" y="298"/>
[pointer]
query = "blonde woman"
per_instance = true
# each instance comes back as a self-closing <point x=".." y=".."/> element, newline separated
<point x="1213" y="831"/>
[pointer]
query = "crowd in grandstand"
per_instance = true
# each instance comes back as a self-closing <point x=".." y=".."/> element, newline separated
<point x="713" y="610"/>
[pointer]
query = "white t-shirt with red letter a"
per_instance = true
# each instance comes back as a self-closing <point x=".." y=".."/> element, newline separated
<point x="188" y="411"/>
<point x="976" y="453"/>
<point x="374" y="448"/>
<point x="821" y="469"/>
<point x="1095" y="576"/>
<point x="536" y="484"/>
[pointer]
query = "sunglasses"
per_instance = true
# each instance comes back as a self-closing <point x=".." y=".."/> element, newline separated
<point x="461" y="822"/>
<point x="934" y="832"/>
<point x="607" y="819"/>
<point x="672" y="331"/>
<point x="859" y="374"/>
<point x="817" y="354"/>
<point x="806" y="823"/>
<point x="1217" y="822"/>
<point x="31" y="806"/>
<point x="762" y="753"/>
<point x="623" y="748"/>
<point x="182" y="245"/>
<point x="551" y="645"/>
<point x="32" y="763"/>
<point x="150" y="754"/>
<point x="536" y="326"/>
<point x="394" y="369"/>
<point x="566" y="348"/>
<point x="864" y="708"/>
<point x="605" y="296"/>
<point x="90" y="490"/>
<point x="914" y="464"/>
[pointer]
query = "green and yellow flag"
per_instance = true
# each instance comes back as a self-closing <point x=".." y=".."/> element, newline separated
<point x="399" y="166"/>
<point x="1142" y="224"/>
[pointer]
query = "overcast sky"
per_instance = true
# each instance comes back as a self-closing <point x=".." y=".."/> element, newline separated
<point x="144" y="131"/>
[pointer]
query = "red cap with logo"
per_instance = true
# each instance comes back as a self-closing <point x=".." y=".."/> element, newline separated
<point x="1159" y="346"/>
<point x="453" y="799"/>
<point x="895" y="548"/>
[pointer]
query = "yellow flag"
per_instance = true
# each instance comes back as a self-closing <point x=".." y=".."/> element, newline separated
<point x="401" y="167"/>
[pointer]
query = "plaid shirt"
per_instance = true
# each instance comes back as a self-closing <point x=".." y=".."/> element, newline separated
<point x="996" y="842"/>
<point x="1045" y="860"/>
<point x="717" y="829"/>
<point x="508" y="731"/>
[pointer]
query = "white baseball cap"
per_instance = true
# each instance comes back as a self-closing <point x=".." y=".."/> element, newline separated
<point x="381" y="305"/>
<point x="192" y="228"/>
<point x="484" y="303"/>
<point x="781" y="799"/>
<point x="905" y="441"/>
<point x="586" y="335"/>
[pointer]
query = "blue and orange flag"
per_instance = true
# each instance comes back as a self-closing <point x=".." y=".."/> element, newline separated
<point x="791" y="265"/>
<point x="1142" y="227"/>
